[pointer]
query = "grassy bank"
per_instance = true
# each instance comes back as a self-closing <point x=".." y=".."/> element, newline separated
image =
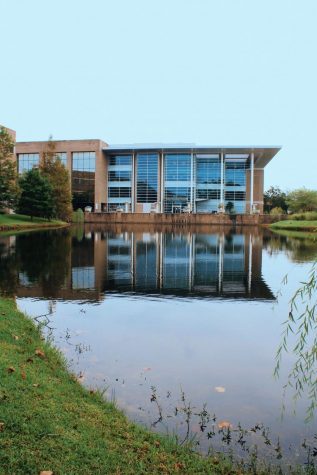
<point x="295" y="225"/>
<point x="19" y="221"/>
<point x="48" y="421"/>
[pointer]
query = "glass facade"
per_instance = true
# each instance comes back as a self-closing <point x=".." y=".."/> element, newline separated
<point x="26" y="161"/>
<point x="192" y="182"/>
<point x="119" y="182"/>
<point x="147" y="177"/>
<point x="177" y="182"/>
<point x="83" y="179"/>
<point x="208" y="182"/>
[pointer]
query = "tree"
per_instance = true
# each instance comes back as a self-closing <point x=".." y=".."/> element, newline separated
<point x="36" y="195"/>
<point x="302" y="200"/>
<point x="230" y="207"/>
<point x="8" y="172"/>
<point x="274" y="197"/>
<point x="54" y="170"/>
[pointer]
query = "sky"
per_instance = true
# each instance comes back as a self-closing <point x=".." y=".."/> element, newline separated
<point x="211" y="72"/>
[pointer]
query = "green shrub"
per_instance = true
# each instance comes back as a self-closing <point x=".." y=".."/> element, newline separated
<point x="276" y="211"/>
<point x="308" y="216"/>
<point x="78" y="216"/>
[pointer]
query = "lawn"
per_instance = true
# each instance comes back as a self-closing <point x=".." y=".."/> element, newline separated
<point x="18" y="221"/>
<point x="49" y="421"/>
<point x="293" y="225"/>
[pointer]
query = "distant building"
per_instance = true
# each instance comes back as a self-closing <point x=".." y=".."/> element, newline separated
<point x="161" y="178"/>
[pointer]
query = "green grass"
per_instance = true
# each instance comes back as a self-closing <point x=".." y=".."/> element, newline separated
<point x="293" y="225"/>
<point x="18" y="221"/>
<point x="48" y="421"/>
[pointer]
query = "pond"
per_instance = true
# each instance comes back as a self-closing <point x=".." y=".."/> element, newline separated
<point x="180" y="327"/>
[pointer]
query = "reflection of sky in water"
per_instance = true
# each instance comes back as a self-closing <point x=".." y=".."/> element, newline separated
<point x="197" y="344"/>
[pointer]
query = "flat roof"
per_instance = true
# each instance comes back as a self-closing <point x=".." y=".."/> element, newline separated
<point x="262" y="154"/>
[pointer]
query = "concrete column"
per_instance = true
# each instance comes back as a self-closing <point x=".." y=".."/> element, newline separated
<point x="192" y="182"/>
<point x="251" y="182"/>
<point x="162" y="181"/>
<point x="222" y="200"/>
<point x="133" y="194"/>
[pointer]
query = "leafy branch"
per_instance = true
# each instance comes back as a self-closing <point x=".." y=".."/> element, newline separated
<point x="302" y="323"/>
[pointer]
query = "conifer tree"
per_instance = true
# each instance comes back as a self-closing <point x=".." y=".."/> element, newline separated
<point x="36" y="195"/>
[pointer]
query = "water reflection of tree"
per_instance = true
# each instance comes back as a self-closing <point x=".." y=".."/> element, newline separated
<point x="299" y="249"/>
<point x="44" y="258"/>
<point x="9" y="279"/>
<point x="300" y="336"/>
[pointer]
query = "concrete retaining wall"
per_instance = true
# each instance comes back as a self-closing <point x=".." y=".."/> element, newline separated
<point x="183" y="219"/>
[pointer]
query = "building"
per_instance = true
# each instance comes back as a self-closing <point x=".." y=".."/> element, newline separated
<point x="158" y="178"/>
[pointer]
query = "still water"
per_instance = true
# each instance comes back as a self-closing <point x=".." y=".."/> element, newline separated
<point x="180" y="327"/>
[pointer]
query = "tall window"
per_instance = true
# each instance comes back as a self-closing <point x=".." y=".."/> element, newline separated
<point x="177" y="177"/>
<point x="83" y="179"/>
<point x="26" y="161"/>
<point x="208" y="182"/>
<point x="235" y="181"/>
<point x="147" y="172"/>
<point x="119" y="181"/>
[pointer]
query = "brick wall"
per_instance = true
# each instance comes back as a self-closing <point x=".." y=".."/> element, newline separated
<point x="182" y="219"/>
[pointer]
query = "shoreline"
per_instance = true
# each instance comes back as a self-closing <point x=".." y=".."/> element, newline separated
<point x="49" y="421"/>
<point x="18" y="222"/>
<point x="295" y="225"/>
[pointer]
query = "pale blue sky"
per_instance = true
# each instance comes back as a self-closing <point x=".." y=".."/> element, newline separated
<point x="218" y="72"/>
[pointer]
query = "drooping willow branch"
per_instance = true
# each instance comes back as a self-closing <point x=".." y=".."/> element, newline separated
<point x="302" y="323"/>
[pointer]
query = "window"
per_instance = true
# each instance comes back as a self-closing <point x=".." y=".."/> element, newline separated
<point x="208" y="170"/>
<point x="119" y="192"/>
<point x="235" y="173"/>
<point x="84" y="161"/>
<point x="208" y="182"/>
<point x="27" y="161"/>
<point x="207" y="194"/>
<point x="119" y="180"/>
<point x="83" y="179"/>
<point x="118" y="160"/>
<point x="235" y="181"/>
<point x="147" y="173"/>
<point x="119" y="175"/>
<point x="177" y="177"/>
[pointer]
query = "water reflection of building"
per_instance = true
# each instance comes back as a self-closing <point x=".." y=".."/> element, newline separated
<point x="227" y="265"/>
<point x="205" y="264"/>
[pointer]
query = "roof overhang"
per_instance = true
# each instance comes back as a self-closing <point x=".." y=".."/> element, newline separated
<point x="262" y="155"/>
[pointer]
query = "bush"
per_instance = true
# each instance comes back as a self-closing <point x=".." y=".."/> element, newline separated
<point x="78" y="216"/>
<point x="276" y="211"/>
<point x="309" y="216"/>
